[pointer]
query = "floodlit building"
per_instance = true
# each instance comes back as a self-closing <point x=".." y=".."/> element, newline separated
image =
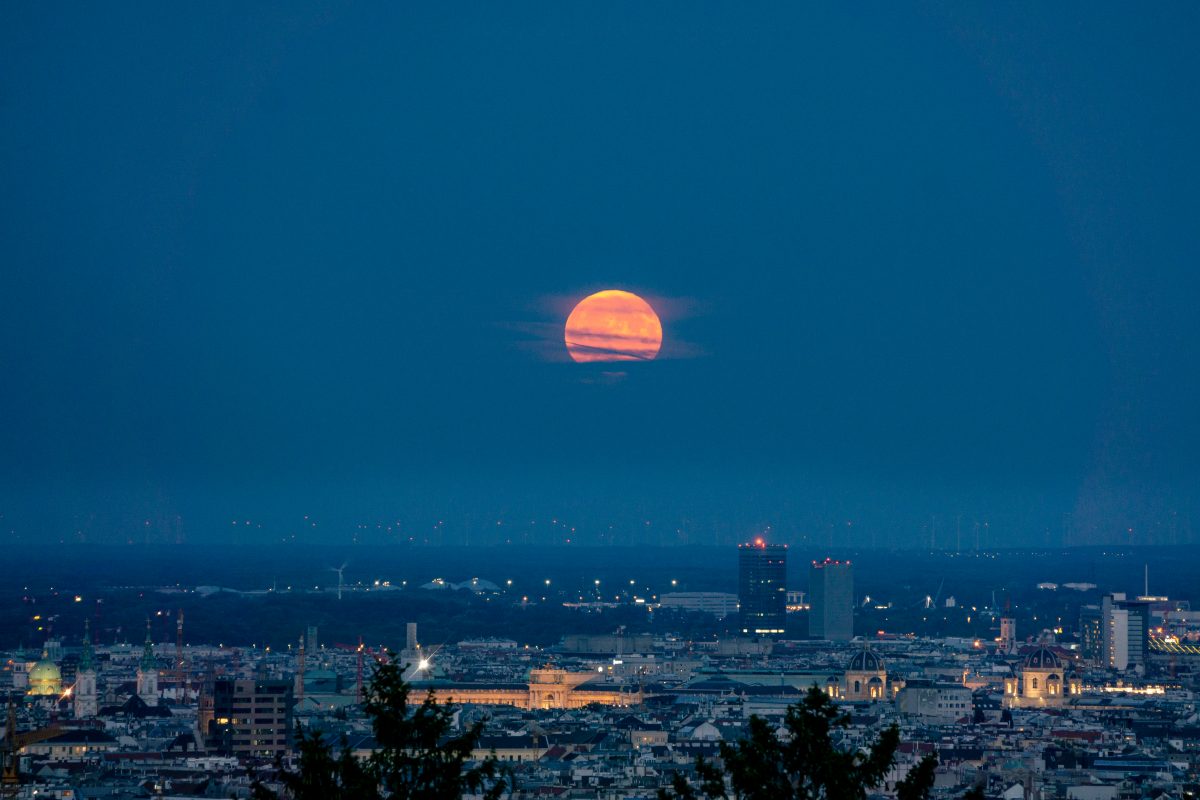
<point x="1042" y="680"/>
<point x="865" y="678"/>
<point x="546" y="689"/>
<point x="45" y="678"/>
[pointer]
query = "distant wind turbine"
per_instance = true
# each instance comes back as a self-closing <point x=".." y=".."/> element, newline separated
<point x="339" y="571"/>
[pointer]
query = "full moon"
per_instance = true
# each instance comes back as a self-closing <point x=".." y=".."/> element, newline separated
<point x="613" y="326"/>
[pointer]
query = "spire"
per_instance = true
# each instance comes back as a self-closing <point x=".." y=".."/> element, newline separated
<point x="148" y="663"/>
<point x="85" y="660"/>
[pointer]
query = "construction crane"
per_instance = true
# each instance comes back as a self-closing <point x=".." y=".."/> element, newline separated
<point x="9" y="763"/>
<point x="380" y="657"/>
<point x="10" y="752"/>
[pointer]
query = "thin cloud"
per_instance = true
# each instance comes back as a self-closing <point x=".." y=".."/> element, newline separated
<point x="544" y="338"/>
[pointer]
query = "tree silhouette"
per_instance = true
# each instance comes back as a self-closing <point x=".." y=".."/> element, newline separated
<point x="416" y="756"/>
<point x="919" y="780"/>
<point x="805" y="764"/>
<point x="320" y="776"/>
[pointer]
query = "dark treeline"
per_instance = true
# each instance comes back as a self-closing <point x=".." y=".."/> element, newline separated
<point x="120" y="587"/>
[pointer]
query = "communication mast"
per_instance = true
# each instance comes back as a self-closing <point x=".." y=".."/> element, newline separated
<point x="180" y="671"/>
<point x="300" y="682"/>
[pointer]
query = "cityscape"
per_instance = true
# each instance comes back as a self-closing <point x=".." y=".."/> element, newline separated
<point x="611" y="400"/>
<point x="1043" y="690"/>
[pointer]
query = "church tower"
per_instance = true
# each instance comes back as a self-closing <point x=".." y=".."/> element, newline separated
<point x="147" y="674"/>
<point x="85" y="695"/>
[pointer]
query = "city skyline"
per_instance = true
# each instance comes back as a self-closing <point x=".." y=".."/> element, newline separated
<point x="599" y="401"/>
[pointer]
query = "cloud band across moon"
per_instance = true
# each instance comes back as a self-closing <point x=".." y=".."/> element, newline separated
<point x="613" y="325"/>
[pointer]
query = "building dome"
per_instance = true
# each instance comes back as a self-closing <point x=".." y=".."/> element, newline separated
<point x="1042" y="658"/>
<point x="865" y="661"/>
<point x="45" y="678"/>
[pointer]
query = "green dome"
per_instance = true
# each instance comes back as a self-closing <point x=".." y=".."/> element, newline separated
<point x="45" y="678"/>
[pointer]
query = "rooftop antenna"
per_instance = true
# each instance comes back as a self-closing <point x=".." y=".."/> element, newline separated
<point x="1146" y="584"/>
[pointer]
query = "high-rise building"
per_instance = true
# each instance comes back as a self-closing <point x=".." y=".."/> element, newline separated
<point x="1091" y="634"/>
<point x="831" y="596"/>
<point x="1118" y="650"/>
<point x="762" y="588"/>
<point x="310" y="641"/>
<point x="1126" y="632"/>
<point x="249" y="717"/>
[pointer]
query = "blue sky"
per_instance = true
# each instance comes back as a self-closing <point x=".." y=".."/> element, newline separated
<point x="914" y="260"/>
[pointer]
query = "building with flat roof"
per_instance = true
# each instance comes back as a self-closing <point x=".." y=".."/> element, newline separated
<point x="719" y="604"/>
<point x="249" y="717"/>
<point x="1125" y="627"/>
<point x="831" y="596"/>
<point x="762" y="588"/>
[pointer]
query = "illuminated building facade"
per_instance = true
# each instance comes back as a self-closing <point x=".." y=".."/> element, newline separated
<point x="547" y="689"/>
<point x="831" y="596"/>
<point x="45" y="678"/>
<point x="865" y="678"/>
<point x="1042" y="681"/>
<point x="762" y="588"/>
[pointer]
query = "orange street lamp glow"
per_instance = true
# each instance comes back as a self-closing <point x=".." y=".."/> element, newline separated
<point x="613" y="326"/>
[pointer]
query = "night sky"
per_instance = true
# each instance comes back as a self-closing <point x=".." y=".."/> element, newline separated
<point x="917" y="267"/>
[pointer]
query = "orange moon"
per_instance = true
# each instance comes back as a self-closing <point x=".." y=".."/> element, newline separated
<point x="613" y="326"/>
